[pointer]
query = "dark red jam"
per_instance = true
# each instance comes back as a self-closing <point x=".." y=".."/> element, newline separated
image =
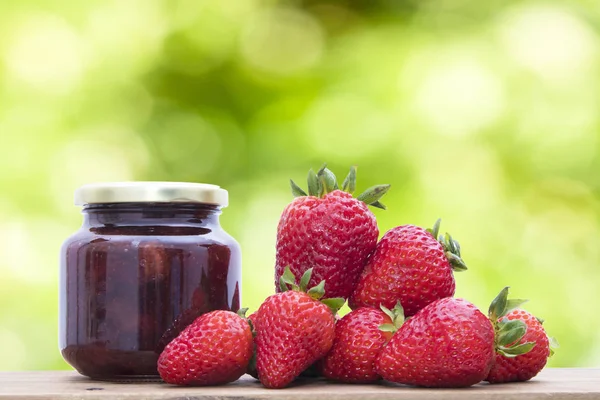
<point x="134" y="276"/>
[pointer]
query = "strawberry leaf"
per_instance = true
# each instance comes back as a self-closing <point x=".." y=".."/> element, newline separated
<point x="313" y="183"/>
<point x="317" y="292"/>
<point x="387" y="328"/>
<point x="457" y="246"/>
<point x="373" y="194"/>
<point x="242" y="312"/>
<point x="515" y="351"/>
<point x="498" y="306"/>
<point x="511" y="332"/>
<point x="378" y="204"/>
<point x="349" y="184"/>
<point x="387" y="312"/>
<point x="282" y="285"/>
<point x="451" y="243"/>
<point x="289" y="278"/>
<point x="296" y="190"/>
<point x="334" y="303"/>
<point x="398" y="312"/>
<point x="513" y="304"/>
<point x="305" y="279"/>
<point x="327" y="179"/>
<point x="451" y="248"/>
<point x="457" y="263"/>
<point x="435" y="231"/>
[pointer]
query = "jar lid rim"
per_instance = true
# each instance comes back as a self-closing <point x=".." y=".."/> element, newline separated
<point x="151" y="191"/>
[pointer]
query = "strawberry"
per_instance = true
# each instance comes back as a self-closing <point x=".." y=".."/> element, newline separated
<point x="449" y="343"/>
<point x="531" y="345"/>
<point x="328" y="231"/>
<point x="215" y="349"/>
<point x="293" y="330"/>
<point x="358" y="341"/>
<point x="251" y="370"/>
<point x="411" y="266"/>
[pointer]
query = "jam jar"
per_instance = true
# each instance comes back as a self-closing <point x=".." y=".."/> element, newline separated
<point x="149" y="258"/>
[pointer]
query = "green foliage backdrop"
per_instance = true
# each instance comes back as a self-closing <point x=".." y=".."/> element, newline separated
<point x="484" y="113"/>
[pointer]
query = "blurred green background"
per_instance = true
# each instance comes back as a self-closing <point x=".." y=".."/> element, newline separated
<point x="484" y="113"/>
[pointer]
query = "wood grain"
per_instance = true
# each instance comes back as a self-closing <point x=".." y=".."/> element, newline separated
<point x="555" y="384"/>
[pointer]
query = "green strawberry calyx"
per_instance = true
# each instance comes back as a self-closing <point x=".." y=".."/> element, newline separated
<point x="288" y="279"/>
<point x="451" y="247"/>
<point x="508" y="333"/>
<point x="324" y="181"/>
<point x="396" y="314"/>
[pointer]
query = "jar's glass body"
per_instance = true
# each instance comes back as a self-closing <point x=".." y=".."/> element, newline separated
<point x="134" y="276"/>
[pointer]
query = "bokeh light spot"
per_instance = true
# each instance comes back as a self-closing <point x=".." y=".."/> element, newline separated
<point x="208" y="39"/>
<point x="282" y="41"/>
<point x="547" y="40"/>
<point x="348" y="126"/>
<point x="125" y="36"/>
<point x="14" y="352"/>
<point x="19" y="261"/>
<point x="46" y="53"/>
<point x="199" y="142"/>
<point x="457" y="94"/>
<point x="100" y="154"/>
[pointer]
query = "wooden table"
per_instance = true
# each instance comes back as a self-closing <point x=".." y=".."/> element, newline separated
<point x="554" y="384"/>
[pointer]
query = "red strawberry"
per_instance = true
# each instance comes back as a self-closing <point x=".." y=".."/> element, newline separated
<point x="215" y="349"/>
<point x="411" y="266"/>
<point x="293" y="330"/>
<point x="449" y="343"/>
<point x="530" y="349"/>
<point x="251" y="370"/>
<point x="358" y="341"/>
<point x="328" y="231"/>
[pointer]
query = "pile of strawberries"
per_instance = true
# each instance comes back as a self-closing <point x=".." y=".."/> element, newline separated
<point x="405" y="325"/>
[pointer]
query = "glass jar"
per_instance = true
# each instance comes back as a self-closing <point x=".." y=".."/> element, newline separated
<point x="149" y="259"/>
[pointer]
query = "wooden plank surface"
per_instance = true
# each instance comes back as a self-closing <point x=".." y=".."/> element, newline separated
<point x="573" y="384"/>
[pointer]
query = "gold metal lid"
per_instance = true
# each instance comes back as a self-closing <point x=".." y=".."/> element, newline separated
<point x="150" y="192"/>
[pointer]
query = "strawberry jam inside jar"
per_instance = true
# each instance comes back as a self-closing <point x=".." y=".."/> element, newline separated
<point x="149" y="258"/>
